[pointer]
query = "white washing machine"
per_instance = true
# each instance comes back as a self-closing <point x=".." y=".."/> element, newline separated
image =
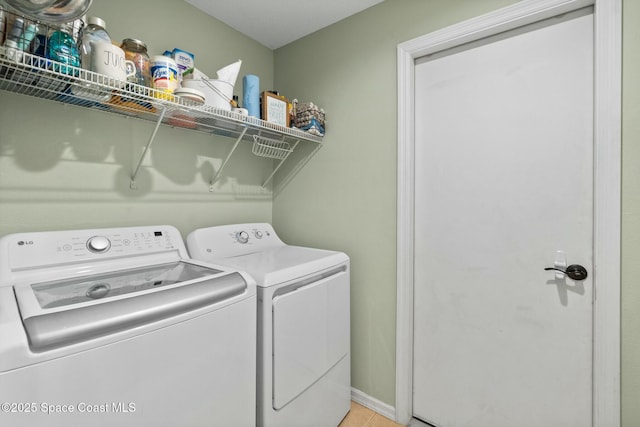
<point x="303" y="322"/>
<point x="119" y="327"/>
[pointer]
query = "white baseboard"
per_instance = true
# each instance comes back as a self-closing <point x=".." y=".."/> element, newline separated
<point x="374" y="404"/>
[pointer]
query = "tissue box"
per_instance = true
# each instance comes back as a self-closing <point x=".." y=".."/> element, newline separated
<point x="184" y="60"/>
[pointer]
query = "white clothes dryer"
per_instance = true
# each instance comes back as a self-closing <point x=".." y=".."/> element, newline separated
<point x="304" y="372"/>
<point x="118" y="326"/>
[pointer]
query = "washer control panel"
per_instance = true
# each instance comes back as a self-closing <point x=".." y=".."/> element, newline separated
<point x="62" y="247"/>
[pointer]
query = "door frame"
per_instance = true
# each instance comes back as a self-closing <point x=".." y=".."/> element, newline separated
<point x="607" y="187"/>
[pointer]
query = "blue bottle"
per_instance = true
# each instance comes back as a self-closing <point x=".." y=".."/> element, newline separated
<point x="62" y="48"/>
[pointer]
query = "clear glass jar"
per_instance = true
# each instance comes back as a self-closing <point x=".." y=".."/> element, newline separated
<point x="136" y="51"/>
<point x="95" y="31"/>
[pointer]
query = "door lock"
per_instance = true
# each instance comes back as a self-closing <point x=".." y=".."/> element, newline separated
<point x="574" y="271"/>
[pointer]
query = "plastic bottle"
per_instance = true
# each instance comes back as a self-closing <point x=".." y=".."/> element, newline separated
<point x="12" y="41"/>
<point x="96" y="30"/>
<point x="62" y="48"/>
<point x="27" y="37"/>
<point x="15" y="32"/>
<point x="39" y="45"/>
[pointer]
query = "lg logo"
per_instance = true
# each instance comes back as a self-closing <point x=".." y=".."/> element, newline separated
<point x="25" y="242"/>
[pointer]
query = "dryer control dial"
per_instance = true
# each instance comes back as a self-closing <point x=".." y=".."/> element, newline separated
<point x="98" y="244"/>
<point x="258" y="234"/>
<point x="242" y="237"/>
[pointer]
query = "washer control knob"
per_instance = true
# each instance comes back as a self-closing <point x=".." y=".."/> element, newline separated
<point x="98" y="244"/>
<point x="242" y="237"/>
<point x="258" y="234"/>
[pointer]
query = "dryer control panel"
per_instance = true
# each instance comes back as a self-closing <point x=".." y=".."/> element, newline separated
<point x="233" y="240"/>
<point x="253" y="234"/>
<point x="31" y="250"/>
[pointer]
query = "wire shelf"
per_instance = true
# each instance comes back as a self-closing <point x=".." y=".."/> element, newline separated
<point x="32" y="74"/>
<point x="265" y="147"/>
<point x="42" y="78"/>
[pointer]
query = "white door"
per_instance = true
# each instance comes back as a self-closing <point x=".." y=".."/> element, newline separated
<point x="504" y="180"/>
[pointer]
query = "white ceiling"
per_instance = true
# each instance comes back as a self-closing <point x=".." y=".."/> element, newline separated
<point x="275" y="23"/>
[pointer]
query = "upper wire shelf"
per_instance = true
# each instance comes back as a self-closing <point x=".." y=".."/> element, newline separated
<point x="36" y="76"/>
<point x="28" y="72"/>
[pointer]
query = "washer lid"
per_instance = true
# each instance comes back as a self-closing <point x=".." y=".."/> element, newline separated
<point x="60" y="293"/>
<point x="65" y="312"/>
<point x="281" y="264"/>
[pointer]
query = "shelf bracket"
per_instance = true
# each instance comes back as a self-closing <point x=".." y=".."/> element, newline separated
<point x="295" y="144"/>
<point x="133" y="184"/>
<point x="219" y="173"/>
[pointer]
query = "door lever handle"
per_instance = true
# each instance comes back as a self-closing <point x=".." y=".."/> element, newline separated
<point x="574" y="271"/>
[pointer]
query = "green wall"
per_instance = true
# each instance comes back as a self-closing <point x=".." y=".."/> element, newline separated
<point x="345" y="198"/>
<point x="64" y="167"/>
<point x="630" y="213"/>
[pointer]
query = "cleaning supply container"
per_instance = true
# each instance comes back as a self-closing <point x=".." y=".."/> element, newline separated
<point x="164" y="74"/>
<point x="217" y="93"/>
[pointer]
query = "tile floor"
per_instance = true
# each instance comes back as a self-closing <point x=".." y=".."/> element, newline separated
<point x="359" y="416"/>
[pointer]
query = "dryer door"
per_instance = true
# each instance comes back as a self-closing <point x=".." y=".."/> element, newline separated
<point x="310" y="332"/>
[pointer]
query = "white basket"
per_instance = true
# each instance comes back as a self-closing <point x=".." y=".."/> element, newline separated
<point x="265" y="147"/>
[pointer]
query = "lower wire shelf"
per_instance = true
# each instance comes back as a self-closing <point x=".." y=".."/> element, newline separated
<point x="266" y="147"/>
